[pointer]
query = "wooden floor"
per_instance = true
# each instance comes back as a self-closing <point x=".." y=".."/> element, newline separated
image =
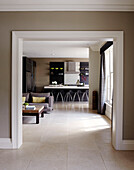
<point x="72" y="137"/>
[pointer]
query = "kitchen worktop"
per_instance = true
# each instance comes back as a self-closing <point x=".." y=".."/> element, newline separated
<point x="66" y="87"/>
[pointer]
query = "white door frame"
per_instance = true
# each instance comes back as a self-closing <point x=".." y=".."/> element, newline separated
<point x="17" y="45"/>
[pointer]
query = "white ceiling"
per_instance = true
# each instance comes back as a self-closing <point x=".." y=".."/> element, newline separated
<point x="60" y="49"/>
<point x="67" y="5"/>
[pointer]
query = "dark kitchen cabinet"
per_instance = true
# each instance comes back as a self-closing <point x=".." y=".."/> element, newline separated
<point x="29" y="75"/>
<point x="57" y="72"/>
<point x="84" y="72"/>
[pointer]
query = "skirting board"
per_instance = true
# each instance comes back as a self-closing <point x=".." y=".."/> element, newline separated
<point x="127" y="145"/>
<point x="5" y="143"/>
<point x="108" y="114"/>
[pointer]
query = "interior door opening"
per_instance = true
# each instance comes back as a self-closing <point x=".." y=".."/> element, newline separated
<point x="67" y="80"/>
<point x="19" y="35"/>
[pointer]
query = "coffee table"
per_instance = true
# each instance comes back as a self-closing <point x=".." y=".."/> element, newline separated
<point x="36" y="112"/>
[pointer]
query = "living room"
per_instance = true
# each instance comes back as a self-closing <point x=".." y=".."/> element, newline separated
<point x="38" y="74"/>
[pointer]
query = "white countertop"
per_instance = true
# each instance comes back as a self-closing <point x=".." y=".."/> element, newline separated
<point x="66" y="87"/>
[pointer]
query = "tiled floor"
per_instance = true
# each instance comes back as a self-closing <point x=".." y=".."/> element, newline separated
<point x="70" y="138"/>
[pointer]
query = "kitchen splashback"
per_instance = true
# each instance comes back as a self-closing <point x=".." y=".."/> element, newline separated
<point x="71" y="79"/>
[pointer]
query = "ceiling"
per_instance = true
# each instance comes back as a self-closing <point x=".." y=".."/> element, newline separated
<point x="60" y="49"/>
<point x="67" y="5"/>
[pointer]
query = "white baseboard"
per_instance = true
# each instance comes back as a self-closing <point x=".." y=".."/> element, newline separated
<point x="6" y="143"/>
<point x="108" y="114"/>
<point x="108" y="111"/>
<point x="127" y="145"/>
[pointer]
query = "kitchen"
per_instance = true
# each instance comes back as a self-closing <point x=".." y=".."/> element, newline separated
<point x="73" y="77"/>
<point x="69" y="81"/>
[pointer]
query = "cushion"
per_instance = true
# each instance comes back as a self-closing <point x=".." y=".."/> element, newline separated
<point x="40" y="94"/>
<point x="38" y="99"/>
<point x="46" y="95"/>
<point x="27" y="96"/>
<point x="23" y="99"/>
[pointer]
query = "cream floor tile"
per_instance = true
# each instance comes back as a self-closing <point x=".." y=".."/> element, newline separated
<point x="58" y="126"/>
<point x="75" y="153"/>
<point x="86" y="165"/>
<point x="14" y="164"/>
<point x="83" y="146"/>
<point x="32" y="137"/>
<point x="106" y="147"/>
<point x="17" y="159"/>
<point x="115" y="165"/>
<point x="51" y="151"/>
<point x="117" y="160"/>
<point x="123" y="160"/>
<point x="58" y="137"/>
<point x="47" y="165"/>
<point x="82" y="142"/>
<point x="57" y="133"/>
<point x="103" y="136"/>
<point x="25" y="152"/>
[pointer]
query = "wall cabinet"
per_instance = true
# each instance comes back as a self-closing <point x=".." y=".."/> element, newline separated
<point x="84" y="72"/>
<point x="57" y="72"/>
<point x="69" y="72"/>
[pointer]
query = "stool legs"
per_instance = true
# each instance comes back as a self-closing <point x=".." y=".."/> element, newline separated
<point x="59" y="94"/>
<point x="85" y="94"/>
<point x="68" y="97"/>
<point x="76" y="94"/>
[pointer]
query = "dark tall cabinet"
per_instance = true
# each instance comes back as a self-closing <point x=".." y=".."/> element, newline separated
<point x="29" y="74"/>
<point x="94" y="100"/>
<point x="57" y="72"/>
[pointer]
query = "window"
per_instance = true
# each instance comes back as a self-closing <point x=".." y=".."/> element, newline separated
<point x="109" y="74"/>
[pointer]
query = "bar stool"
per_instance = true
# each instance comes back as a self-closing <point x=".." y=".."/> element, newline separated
<point x="60" y="94"/>
<point x="68" y="96"/>
<point x="85" y="95"/>
<point x="53" y="93"/>
<point x="76" y="94"/>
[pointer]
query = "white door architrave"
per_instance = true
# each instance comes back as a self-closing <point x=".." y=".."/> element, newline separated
<point x="17" y="48"/>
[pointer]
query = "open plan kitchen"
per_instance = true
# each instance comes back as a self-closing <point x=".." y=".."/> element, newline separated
<point x="67" y="70"/>
<point x="69" y="81"/>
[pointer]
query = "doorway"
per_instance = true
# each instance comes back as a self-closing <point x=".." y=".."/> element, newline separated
<point x="17" y="48"/>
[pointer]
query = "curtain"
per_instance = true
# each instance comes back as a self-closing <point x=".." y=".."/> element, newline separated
<point x="102" y="85"/>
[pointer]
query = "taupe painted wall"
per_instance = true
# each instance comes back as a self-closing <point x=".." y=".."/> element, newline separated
<point x="82" y="21"/>
<point x="42" y="69"/>
<point x="94" y="73"/>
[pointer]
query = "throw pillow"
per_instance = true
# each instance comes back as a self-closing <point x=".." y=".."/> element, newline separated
<point x="23" y="99"/>
<point x="38" y="99"/>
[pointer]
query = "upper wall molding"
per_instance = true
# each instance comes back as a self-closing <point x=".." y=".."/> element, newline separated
<point x="69" y="6"/>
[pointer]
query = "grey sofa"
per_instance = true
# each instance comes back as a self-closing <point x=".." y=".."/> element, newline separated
<point x="48" y="105"/>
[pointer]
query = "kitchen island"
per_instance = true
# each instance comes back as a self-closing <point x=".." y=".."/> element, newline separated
<point x="86" y="87"/>
<point x="68" y="92"/>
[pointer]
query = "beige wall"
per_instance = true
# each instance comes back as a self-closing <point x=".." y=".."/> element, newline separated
<point x="94" y="73"/>
<point x="42" y="69"/>
<point x="82" y="21"/>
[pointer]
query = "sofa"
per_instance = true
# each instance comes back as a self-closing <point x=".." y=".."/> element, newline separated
<point x="48" y="103"/>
